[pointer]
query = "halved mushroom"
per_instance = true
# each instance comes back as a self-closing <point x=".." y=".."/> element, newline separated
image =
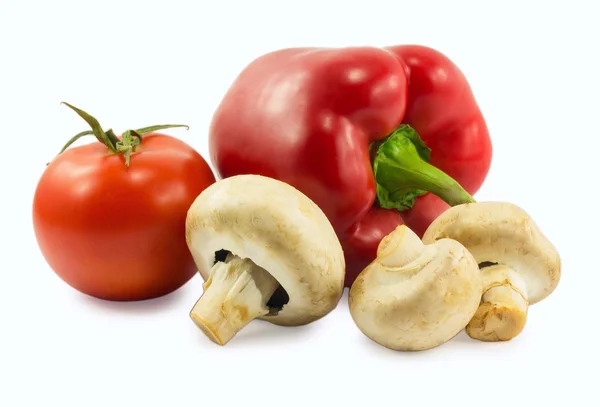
<point x="415" y="296"/>
<point x="266" y="251"/>
<point x="520" y="266"/>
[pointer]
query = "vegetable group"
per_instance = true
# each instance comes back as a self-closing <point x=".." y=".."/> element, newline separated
<point x="314" y="118"/>
<point x="109" y="216"/>
<point x="340" y="167"/>
<point x="265" y="251"/>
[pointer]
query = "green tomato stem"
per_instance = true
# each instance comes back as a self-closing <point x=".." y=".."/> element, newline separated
<point x="150" y="129"/>
<point x="96" y="128"/>
<point x="126" y="145"/>
<point x="74" y="139"/>
<point x="130" y="140"/>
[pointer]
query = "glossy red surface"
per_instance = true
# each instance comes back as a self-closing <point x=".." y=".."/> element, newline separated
<point x="306" y="116"/>
<point x="118" y="233"/>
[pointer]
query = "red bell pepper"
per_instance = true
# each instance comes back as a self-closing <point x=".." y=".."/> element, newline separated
<point x="364" y="132"/>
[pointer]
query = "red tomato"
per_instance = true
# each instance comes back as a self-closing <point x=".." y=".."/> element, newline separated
<point x="117" y="232"/>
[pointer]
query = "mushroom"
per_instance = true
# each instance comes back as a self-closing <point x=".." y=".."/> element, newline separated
<point x="519" y="265"/>
<point x="415" y="296"/>
<point x="266" y="251"/>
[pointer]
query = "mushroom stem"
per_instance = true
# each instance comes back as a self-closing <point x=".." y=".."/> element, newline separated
<point x="502" y="313"/>
<point x="399" y="248"/>
<point x="236" y="292"/>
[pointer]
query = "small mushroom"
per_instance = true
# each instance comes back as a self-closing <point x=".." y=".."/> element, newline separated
<point x="520" y="266"/>
<point x="266" y="251"/>
<point x="415" y="296"/>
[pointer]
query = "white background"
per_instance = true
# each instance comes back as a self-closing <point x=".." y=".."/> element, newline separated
<point x="535" y="71"/>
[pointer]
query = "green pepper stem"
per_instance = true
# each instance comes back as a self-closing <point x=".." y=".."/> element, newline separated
<point x="126" y="145"/>
<point x="402" y="173"/>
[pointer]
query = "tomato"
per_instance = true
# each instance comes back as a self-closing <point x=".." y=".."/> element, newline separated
<point x="112" y="225"/>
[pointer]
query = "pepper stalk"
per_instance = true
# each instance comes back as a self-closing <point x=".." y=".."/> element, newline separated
<point x="403" y="173"/>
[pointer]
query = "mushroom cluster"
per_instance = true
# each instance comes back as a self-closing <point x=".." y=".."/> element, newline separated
<point x="519" y="265"/>
<point x="266" y="251"/>
<point x="478" y="267"/>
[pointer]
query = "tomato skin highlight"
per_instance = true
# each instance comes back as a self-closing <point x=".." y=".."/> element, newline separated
<point x="116" y="232"/>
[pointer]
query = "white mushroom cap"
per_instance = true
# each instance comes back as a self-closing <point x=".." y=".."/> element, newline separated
<point x="280" y="230"/>
<point x="415" y="297"/>
<point x="501" y="232"/>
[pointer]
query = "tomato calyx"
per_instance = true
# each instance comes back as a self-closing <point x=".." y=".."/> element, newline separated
<point x="125" y="145"/>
